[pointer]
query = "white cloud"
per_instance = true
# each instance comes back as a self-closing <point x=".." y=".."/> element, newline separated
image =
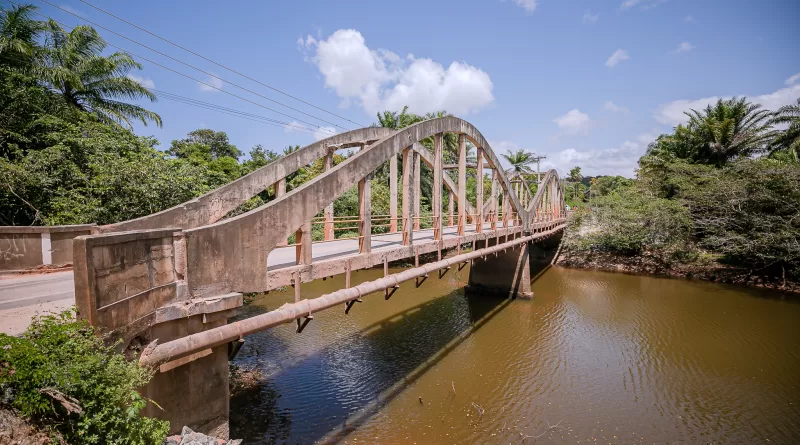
<point x="143" y="81"/>
<point x="212" y="84"/>
<point x="588" y="17"/>
<point x="574" y="122"/>
<point x="324" y="132"/>
<point x="618" y="56"/>
<point x="688" y="19"/>
<point x="792" y="79"/>
<point x="73" y="10"/>
<point x="382" y="80"/>
<point x="672" y="113"/>
<point x="622" y="160"/>
<point x="614" y="108"/>
<point x="528" y="5"/>
<point x="643" y="4"/>
<point x="317" y="133"/>
<point x="684" y="47"/>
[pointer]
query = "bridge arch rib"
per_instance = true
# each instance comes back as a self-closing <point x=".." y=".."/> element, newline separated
<point x="214" y="205"/>
<point x="231" y="255"/>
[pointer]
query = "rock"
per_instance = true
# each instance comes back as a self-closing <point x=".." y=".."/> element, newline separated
<point x="189" y="437"/>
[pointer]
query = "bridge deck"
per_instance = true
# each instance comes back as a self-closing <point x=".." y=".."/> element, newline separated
<point x="285" y="256"/>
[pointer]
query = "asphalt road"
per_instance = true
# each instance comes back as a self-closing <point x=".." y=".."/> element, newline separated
<point x="22" y="297"/>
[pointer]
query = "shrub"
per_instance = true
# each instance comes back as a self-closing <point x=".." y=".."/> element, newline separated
<point x="61" y="376"/>
<point x="628" y="222"/>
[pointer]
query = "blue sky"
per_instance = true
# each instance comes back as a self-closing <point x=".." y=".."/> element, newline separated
<point x="584" y="82"/>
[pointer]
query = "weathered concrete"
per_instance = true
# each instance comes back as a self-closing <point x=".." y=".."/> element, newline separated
<point x="214" y="205"/>
<point x="130" y="286"/>
<point x="27" y="247"/>
<point x="231" y="255"/>
<point x="507" y="273"/>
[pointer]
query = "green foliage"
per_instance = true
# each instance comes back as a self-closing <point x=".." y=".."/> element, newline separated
<point x="730" y="129"/>
<point x="521" y="161"/>
<point x="747" y="211"/>
<point x="87" y="171"/>
<point x="60" y="375"/>
<point x="629" y="223"/>
<point x="788" y="141"/>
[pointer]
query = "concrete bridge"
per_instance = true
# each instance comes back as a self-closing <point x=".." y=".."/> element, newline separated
<point x="165" y="285"/>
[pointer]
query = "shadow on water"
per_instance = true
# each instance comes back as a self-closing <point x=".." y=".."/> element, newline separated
<point x="340" y="387"/>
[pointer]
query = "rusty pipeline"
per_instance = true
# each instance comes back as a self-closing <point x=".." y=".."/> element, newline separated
<point x="156" y="354"/>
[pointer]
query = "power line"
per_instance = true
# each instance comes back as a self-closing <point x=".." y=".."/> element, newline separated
<point x="218" y="64"/>
<point x="188" y="76"/>
<point x="229" y="111"/>
<point x="194" y="67"/>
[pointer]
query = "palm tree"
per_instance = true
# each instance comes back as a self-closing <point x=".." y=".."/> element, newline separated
<point x="18" y="33"/>
<point x="575" y="176"/>
<point x="520" y="161"/>
<point x="74" y="67"/>
<point x="789" y="139"/>
<point x="731" y="128"/>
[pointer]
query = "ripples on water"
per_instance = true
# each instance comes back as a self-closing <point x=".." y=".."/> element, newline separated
<point x="605" y="357"/>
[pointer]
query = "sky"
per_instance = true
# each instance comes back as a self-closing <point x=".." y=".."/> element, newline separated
<point x="585" y="83"/>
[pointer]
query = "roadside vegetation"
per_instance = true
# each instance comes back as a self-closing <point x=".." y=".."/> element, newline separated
<point x="717" y="198"/>
<point x="72" y="388"/>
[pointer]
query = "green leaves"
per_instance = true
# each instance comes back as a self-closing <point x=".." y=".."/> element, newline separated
<point x="60" y="364"/>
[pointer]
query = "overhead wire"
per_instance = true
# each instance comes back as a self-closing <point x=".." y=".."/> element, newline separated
<point x="202" y="71"/>
<point x="218" y="64"/>
<point x="132" y="54"/>
<point x="229" y="111"/>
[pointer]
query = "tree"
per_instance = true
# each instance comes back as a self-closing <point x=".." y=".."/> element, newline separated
<point x="575" y="176"/>
<point x="789" y="139"/>
<point x="206" y="142"/>
<point x="74" y="66"/>
<point x="521" y="161"/>
<point x="730" y="129"/>
<point x="18" y="34"/>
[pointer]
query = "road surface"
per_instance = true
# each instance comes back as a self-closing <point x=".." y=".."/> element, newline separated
<point x="25" y="296"/>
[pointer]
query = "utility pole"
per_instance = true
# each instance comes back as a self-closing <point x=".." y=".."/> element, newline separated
<point x="538" y="172"/>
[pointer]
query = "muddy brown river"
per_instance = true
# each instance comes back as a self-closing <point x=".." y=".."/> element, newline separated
<point x="594" y="358"/>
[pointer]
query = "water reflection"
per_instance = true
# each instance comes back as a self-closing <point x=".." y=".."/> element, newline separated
<point x="613" y="358"/>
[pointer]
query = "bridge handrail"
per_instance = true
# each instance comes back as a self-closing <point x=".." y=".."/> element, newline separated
<point x="240" y="245"/>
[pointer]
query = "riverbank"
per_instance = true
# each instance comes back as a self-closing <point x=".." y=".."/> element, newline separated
<point x="652" y="265"/>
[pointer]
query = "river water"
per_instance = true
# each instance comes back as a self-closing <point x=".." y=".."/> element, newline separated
<point x="595" y="357"/>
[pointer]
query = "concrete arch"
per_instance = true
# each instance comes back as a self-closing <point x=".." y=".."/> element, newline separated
<point x="232" y="254"/>
<point x="214" y="205"/>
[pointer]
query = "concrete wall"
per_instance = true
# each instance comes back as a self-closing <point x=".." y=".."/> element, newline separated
<point x="27" y="247"/>
<point x="508" y="274"/>
<point x="130" y="285"/>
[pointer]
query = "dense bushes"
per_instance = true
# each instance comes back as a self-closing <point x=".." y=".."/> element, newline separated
<point x="629" y="223"/>
<point x="61" y="376"/>
<point x="746" y="214"/>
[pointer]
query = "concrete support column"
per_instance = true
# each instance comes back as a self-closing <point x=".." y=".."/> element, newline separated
<point x="365" y="216"/>
<point x="328" y="230"/>
<point x="408" y="196"/>
<point x="437" y="186"/>
<point x="479" y="192"/>
<point x="506" y="209"/>
<point x="450" y="207"/>
<point x="417" y="191"/>
<point x="508" y="274"/>
<point x="393" y="194"/>
<point x="303" y="244"/>
<point x="462" y="183"/>
<point x="280" y="190"/>
<point x="493" y="207"/>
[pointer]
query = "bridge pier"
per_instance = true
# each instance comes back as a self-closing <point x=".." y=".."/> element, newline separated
<point x="508" y="274"/>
